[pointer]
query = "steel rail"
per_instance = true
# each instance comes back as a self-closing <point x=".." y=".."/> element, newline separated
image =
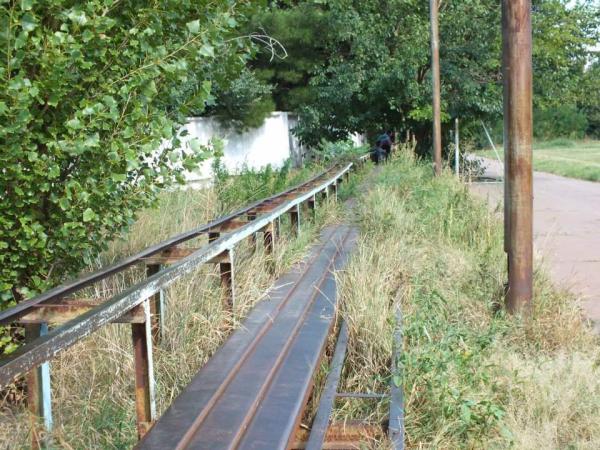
<point x="321" y="421"/>
<point x="46" y="347"/>
<point x="396" y="419"/>
<point x="218" y="373"/>
<point x="22" y="308"/>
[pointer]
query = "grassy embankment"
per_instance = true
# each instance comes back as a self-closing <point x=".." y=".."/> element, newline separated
<point x="93" y="403"/>
<point x="574" y="159"/>
<point x="472" y="377"/>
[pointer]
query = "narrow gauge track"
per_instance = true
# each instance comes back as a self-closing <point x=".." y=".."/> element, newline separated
<point x="251" y="394"/>
<point x="54" y="323"/>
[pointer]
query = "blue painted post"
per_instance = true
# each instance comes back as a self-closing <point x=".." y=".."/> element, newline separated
<point x="39" y="398"/>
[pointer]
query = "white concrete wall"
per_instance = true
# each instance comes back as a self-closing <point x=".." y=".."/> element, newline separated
<point x="272" y="143"/>
<point x="255" y="148"/>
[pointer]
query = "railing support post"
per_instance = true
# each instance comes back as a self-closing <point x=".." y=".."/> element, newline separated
<point x="295" y="220"/>
<point x="39" y="398"/>
<point x="311" y="202"/>
<point x="269" y="243"/>
<point x="227" y="281"/>
<point x="252" y="217"/>
<point x="145" y="408"/>
<point x="277" y="227"/>
<point x="157" y="307"/>
<point x="334" y="190"/>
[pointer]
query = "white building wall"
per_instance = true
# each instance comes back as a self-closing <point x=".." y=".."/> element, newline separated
<point x="255" y="148"/>
<point x="272" y="143"/>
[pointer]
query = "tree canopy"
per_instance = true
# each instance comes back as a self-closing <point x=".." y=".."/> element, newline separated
<point x="356" y="66"/>
<point x="92" y="96"/>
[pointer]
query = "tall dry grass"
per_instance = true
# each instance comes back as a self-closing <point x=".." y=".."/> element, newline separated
<point x="93" y="391"/>
<point x="472" y="376"/>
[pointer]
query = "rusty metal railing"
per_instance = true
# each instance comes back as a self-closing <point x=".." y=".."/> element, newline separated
<point x="141" y="304"/>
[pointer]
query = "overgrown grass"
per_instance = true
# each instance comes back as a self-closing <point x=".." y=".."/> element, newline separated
<point x="93" y="392"/>
<point x="472" y="377"/>
<point x="574" y="159"/>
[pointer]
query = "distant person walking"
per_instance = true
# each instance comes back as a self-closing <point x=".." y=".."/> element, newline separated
<point x="384" y="141"/>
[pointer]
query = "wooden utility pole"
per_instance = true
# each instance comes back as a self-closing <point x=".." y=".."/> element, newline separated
<point x="518" y="185"/>
<point x="435" y="77"/>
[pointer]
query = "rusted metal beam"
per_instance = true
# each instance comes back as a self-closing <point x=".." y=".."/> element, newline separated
<point x="229" y="225"/>
<point x="518" y="80"/>
<point x="145" y="408"/>
<point x="59" y="312"/>
<point x="345" y="435"/>
<point x="435" y="83"/>
<point x="320" y="424"/>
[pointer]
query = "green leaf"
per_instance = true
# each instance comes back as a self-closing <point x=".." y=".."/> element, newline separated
<point x="193" y="26"/>
<point x="88" y="215"/>
<point x="26" y="5"/>
<point x="74" y="124"/>
<point x="207" y="50"/>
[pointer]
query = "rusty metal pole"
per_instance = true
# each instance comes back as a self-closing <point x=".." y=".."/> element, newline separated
<point x="227" y="281"/>
<point x="145" y="409"/>
<point x="295" y="220"/>
<point x="435" y="78"/>
<point x="516" y="35"/>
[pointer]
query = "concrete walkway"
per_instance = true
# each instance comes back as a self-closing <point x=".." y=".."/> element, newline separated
<point x="566" y="227"/>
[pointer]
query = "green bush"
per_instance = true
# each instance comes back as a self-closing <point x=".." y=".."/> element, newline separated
<point x="88" y="93"/>
<point x="328" y="151"/>
<point x="565" y="121"/>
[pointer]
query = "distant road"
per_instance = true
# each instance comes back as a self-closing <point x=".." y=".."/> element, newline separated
<point x="566" y="228"/>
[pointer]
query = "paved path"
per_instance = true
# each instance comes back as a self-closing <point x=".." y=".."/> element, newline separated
<point x="567" y="231"/>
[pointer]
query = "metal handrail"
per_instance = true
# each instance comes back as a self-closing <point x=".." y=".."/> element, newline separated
<point x="46" y="347"/>
<point x="15" y="312"/>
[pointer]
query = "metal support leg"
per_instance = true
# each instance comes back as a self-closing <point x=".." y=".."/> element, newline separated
<point x="252" y="236"/>
<point x="145" y="408"/>
<point x="39" y="391"/>
<point x="311" y="205"/>
<point x="334" y="191"/>
<point x="295" y="220"/>
<point x="269" y="243"/>
<point x="227" y="281"/>
<point x="157" y="307"/>
<point x="277" y="227"/>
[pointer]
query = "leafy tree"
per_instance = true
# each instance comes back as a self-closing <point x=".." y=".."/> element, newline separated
<point x="590" y="104"/>
<point x="92" y="95"/>
<point x="377" y="71"/>
<point x="304" y="31"/>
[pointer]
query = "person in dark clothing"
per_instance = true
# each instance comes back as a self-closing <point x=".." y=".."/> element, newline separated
<point x="385" y="142"/>
<point x="378" y="154"/>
